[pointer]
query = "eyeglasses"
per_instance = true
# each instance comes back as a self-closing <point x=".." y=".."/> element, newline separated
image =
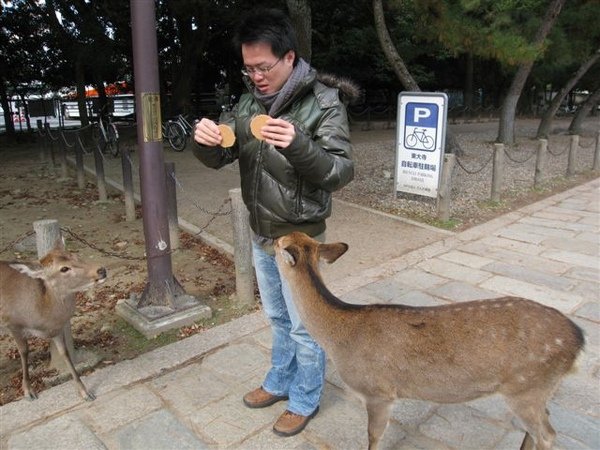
<point x="252" y="71"/>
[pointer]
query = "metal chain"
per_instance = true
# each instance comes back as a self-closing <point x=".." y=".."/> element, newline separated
<point x="473" y="172"/>
<point x="205" y="211"/>
<point x="517" y="161"/>
<point x="98" y="249"/>
<point x="560" y="152"/>
<point x="587" y="146"/>
<point x="19" y="239"/>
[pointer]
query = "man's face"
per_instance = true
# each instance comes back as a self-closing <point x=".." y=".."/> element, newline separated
<point x="267" y="72"/>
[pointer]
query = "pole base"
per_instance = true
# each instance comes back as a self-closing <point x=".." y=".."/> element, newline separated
<point x="154" y="320"/>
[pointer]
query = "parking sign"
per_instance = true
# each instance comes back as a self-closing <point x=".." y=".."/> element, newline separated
<point x="420" y="140"/>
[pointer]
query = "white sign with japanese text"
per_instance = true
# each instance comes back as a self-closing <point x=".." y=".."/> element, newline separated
<point x="420" y="140"/>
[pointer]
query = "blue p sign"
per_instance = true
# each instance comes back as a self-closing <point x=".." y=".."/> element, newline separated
<point x="422" y="115"/>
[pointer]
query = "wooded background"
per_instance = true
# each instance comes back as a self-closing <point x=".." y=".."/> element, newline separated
<point x="512" y="55"/>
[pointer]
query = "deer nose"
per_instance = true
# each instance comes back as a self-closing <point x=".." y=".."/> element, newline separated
<point x="101" y="272"/>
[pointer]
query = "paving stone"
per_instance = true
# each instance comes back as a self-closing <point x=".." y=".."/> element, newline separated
<point x="418" y="298"/>
<point x="238" y="361"/>
<point x="341" y="422"/>
<point x="411" y="413"/>
<point x="191" y="388"/>
<point x="562" y="223"/>
<point x="530" y="275"/>
<point x="556" y="229"/>
<point x="364" y="296"/>
<point x="576" y="259"/>
<point x="517" y="258"/>
<point x="228" y="421"/>
<point x="462" y="427"/>
<point x="574" y="394"/>
<point x="64" y="433"/>
<point x="493" y="407"/>
<point x="579" y="427"/>
<point x="589" y="311"/>
<point x="588" y="237"/>
<point x="572" y="245"/>
<point x="492" y="242"/>
<point x="158" y="430"/>
<point x="456" y="291"/>
<point x="387" y="289"/>
<point x="562" y="301"/>
<point x="522" y="236"/>
<point x="589" y="290"/>
<point x="454" y="271"/>
<point x="120" y="407"/>
<point x="584" y="273"/>
<point x="419" y="279"/>
<point x="466" y="259"/>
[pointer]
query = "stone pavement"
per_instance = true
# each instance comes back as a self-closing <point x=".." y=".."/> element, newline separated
<point x="188" y="394"/>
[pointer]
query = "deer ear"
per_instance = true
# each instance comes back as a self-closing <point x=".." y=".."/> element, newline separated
<point x="31" y="270"/>
<point x="288" y="257"/>
<point x="331" y="252"/>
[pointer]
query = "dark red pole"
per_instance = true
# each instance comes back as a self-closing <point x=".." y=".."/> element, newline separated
<point x="161" y="287"/>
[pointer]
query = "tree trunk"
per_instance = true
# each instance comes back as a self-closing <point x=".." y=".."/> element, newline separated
<point x="8" y="118"/>
<point x="300" y="15"/>
<point x="546" y="122"/>
<point x="506" y="131"/>
<point x="469" y="85"/>
<point x="400" y="69"/>
<point x="584" y="111"/>
<point x="80" y="85"/>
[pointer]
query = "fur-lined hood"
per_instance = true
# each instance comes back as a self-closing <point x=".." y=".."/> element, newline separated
<point x="349" y="91"/>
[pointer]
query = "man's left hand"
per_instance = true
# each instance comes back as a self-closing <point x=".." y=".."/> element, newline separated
<point x="278" y="132"/>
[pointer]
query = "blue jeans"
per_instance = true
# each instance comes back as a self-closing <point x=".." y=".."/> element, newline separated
<point x="297" y="361"/>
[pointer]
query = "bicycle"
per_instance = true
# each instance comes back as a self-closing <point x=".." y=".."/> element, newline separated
<point x="106" y="130"/>
<point x="419" y="136"/>
<point x="176" y="132"/>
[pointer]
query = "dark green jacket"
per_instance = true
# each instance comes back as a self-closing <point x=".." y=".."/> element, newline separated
<point x="290" y="189"/>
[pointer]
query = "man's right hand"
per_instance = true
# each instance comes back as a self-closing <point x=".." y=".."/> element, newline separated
<point x="207" y="133"/>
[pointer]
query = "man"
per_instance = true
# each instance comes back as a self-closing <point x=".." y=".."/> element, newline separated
<point x="287" y="178"/>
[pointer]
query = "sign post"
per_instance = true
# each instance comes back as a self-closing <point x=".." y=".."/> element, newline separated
<point x="420" y="141"/>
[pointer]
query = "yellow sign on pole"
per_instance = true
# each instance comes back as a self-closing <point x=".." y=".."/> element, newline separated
<point x="152" y="121"/>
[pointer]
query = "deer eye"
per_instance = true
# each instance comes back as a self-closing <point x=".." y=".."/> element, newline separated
<point x="64" y="269"/>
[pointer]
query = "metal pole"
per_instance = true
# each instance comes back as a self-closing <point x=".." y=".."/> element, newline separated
<point x="161" y="288"/>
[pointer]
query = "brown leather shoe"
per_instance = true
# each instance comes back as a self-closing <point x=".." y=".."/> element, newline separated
<point x="290" y="424"/>
<point x="259" y="398"/>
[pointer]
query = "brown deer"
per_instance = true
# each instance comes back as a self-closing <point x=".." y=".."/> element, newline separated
<point x="446" y="354"/>
<point x="38" y="299"/>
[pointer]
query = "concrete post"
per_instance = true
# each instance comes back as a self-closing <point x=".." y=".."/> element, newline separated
<point x="540" y="163"/>
<point x="172" y="204"/>
<point x="497" y="171"/>
<point x="445" y="191"/>
<point x="596" y="165"/>
<point x="79" y="164"/>
<point x="100" y="179"/>
<point x="128" y="184"/>
<point x="47" y="237"/>
<point x="572" y="162"/>
<point x="244" y="273"/>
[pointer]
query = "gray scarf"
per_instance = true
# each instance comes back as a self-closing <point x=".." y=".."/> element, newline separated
<point x="277" y="99"/>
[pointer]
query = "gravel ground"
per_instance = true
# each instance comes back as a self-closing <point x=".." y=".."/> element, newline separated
<point x="373" y="185"/>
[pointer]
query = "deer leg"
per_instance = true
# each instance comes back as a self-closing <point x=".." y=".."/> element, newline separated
<point x="59" y="342"/>
<point x="24" y="353"/>
<point x="378" y="411"/>
<point x="531" y="409"/>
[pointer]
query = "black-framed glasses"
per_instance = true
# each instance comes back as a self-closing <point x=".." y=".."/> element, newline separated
<point x="251" y="71"/>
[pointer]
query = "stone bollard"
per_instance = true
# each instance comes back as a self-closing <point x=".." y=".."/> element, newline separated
<point x="445" y="191"/>
<point x="572" y="161"/>
<point x="497" y="171"/>
<point x="540" y="163"/>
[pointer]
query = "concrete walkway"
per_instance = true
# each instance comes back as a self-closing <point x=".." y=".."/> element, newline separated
<point x="188" y="395"/>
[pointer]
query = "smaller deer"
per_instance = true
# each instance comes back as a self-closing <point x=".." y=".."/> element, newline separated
<point x="38" y="299"/>
<point x="446" y="354"/>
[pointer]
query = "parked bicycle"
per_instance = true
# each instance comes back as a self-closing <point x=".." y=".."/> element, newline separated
<point x="176" y="132"/>
<point x="106" y="133"/>
<point x="419" y="136"/>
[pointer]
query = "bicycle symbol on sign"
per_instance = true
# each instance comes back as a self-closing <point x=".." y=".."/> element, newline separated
<point x="420" y="137"/>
